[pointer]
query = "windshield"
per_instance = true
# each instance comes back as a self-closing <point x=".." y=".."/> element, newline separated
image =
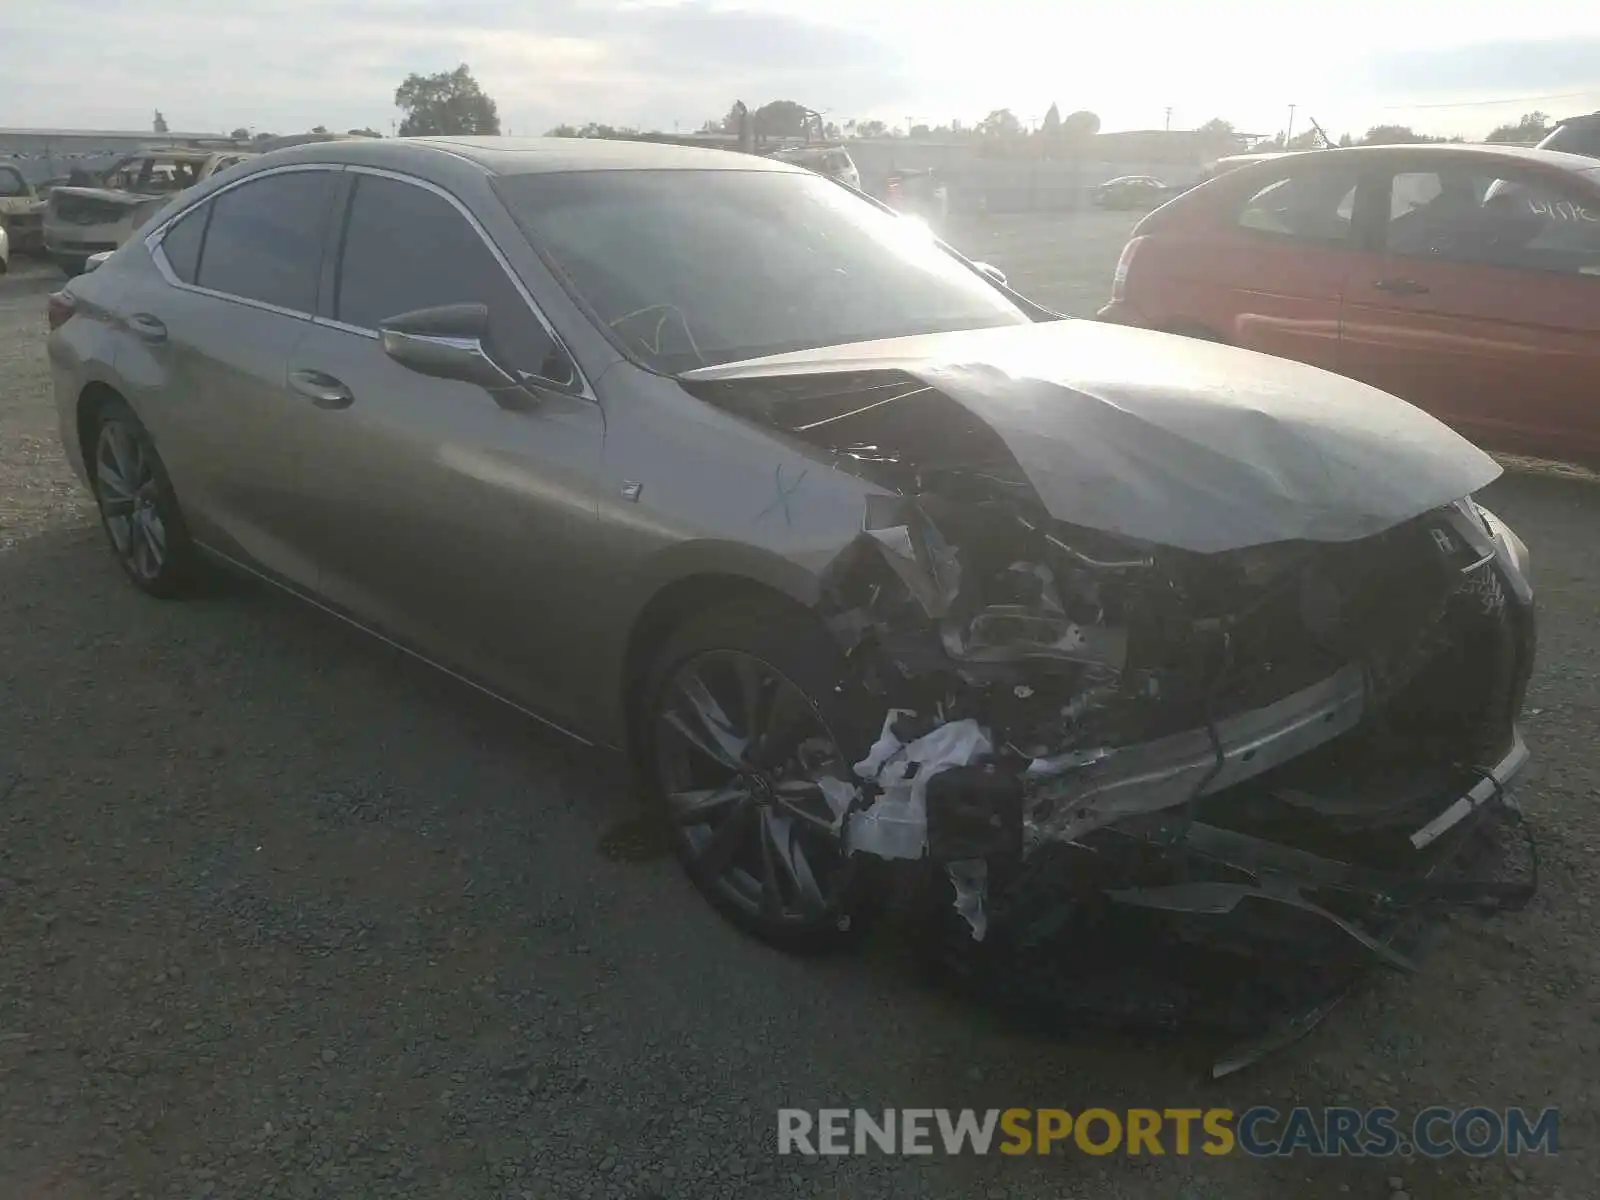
<point x="11" y="182"/>
<point x="693" y="268"/>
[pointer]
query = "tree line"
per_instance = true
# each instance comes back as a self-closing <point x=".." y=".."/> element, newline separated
<point x="453" y="102"/>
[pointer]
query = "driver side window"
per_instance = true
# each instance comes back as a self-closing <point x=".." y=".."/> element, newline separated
<point x="407" y="248"/>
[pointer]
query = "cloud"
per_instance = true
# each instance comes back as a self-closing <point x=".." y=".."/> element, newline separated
<point x="301" y="63"/>
<point x="1488" y="68"/>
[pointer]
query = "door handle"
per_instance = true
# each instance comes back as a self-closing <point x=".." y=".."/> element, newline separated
<point x="322" y="390"/>
<point x="1401" y="287"/>
<point x="147" y="327"/>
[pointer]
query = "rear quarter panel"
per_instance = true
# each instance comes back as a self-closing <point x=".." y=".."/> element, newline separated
<point x="84" y="351"/>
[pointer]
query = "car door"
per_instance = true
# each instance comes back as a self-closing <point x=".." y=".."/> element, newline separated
<point x="1484" y="305"/>
<point x="456" y="520"/>
<point x="1270" y="278"/>
<point x="205" y="352"/>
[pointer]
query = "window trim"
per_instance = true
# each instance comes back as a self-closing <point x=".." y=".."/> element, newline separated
<point x="580" y="386"/>
<point x="154" y="238"/>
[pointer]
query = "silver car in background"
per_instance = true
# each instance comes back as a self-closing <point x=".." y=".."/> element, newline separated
<point x="868" y="562"/>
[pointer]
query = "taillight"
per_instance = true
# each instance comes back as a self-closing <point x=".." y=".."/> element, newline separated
<point x="59" y="308"/>
<point x="1119" y="281"/>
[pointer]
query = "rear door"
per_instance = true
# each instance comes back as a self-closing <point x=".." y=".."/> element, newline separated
<point x="205" y="350"/>
<point x="1484" y="305"/>
<point x="1267" y="272"/>
<point x="459" y="523"/>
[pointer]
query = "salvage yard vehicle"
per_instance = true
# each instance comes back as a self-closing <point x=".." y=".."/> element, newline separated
<point x="80" y="221"/>
<point x="1130" y="191"/>
<point x="833" y="161"/>
<point x="885" y="577"/>
<point x="1465" y="279"/>
<point x="1575" y="135"/>
<point x="21" y="211"/>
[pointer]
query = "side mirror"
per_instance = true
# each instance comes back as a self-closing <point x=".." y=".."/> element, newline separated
<point x="446" y="343"/>
<point x="992" y="271"/>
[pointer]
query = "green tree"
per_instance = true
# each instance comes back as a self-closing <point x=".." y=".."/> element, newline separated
<point x="871" y="129"/>
<point x="1531" y="128"/>
<point x="1309" y="140"/>
<point x="449" y="102"/>
<point x="240" y="135"/>
<point x="1080" y="126"/>
<point x="319" y="129"/>
<point x="160" y="123"/>
<point x="1002" y="122"/>
<point x="781" y="118"/>
<point x="1394" y="135"/>
<point x="366" y="131"/>
<point x="1052" y="121"/>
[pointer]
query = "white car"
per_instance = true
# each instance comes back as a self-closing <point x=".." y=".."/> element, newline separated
<point x="84" y="220"/>
<point x="832" y="161"/>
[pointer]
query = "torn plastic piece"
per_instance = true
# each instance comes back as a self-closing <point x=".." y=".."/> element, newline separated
<point x="885" y="748"/>
<point x="896" y="824"/>
<point x="840" y="795"/>
<point x="974" y="812"/>
<point x="970" y="878"/>
<point x="911" y="546"/>
<point x="1217" y="899"/>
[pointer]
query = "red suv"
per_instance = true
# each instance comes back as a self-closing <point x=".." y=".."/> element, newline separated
<point x="1465" y="279"/>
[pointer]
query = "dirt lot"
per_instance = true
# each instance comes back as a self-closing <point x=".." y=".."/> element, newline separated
<point x="283" y="916"/>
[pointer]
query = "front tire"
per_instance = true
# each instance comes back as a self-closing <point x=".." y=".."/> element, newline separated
<point x="138" y="508"/>
<point x="747" y="731"/>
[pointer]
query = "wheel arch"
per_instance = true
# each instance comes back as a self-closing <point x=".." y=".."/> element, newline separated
<point x="671" y="605"/>
<point x="94" y="397"/>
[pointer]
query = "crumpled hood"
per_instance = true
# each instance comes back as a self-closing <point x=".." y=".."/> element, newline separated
<point x="1176" y="441"/>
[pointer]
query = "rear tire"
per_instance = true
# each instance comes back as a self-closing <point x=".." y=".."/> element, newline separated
<point x="138" y="508"/>
<point x="745" y="706"/>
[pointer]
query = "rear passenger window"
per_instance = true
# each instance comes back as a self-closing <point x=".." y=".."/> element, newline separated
<point x="265" y="239"/>
<point x="1315" y="206"/>
<point x="407" y="248"/>
<point x="180" y="245"/>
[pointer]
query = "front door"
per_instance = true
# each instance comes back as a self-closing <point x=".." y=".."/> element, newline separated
<point x="456" y="521"/>
<point x="1483" y="306"/>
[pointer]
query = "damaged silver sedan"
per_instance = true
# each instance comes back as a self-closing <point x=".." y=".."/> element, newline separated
<point x="892" y="583"/>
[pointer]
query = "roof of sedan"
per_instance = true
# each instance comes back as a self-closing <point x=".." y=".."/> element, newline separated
<point x="524" y="156"/>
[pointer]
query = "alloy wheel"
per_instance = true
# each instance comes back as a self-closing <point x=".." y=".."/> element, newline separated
<point x="747" y="766"/>
<point x="128" y="489"/>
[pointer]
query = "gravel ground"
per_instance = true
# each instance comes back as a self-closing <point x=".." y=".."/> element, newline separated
<point x="282" y="915"/>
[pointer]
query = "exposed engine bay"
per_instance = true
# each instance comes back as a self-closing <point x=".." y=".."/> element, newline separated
<point x="1280" y="749"/>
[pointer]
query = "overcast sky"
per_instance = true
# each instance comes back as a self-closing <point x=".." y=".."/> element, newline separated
<point x="292" y="64"/>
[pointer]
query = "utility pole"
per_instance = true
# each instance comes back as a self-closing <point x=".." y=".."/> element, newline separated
<point x="1169" y="118"/>
<point x="1289" y="133"/>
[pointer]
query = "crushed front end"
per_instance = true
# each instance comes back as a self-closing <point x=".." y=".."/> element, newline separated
<point x="1281" y="752"/>
<point x="1098" y="748"/>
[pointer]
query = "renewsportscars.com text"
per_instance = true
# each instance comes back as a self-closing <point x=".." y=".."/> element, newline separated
<point x="1259" y="1132"/>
